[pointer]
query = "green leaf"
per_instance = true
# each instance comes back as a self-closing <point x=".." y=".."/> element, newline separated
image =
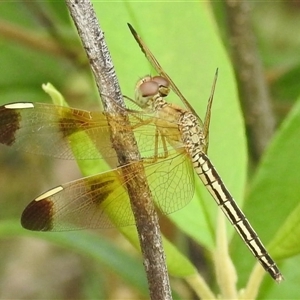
<point x="90" y="245"/>
<point x="286" y="242"/>
<point x="190" y="54"/>
<point x="185" y="40"/>
<point x="275" y="188"/>
<point x="273" y="200"/>
<point x="178" y="264"/>
<point x="283" y="163"/>
<point x="56" y="97"/>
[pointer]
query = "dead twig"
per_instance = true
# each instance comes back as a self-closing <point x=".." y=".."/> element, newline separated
<point x="124" y="143"/>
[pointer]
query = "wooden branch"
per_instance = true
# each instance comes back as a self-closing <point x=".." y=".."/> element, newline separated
<point x="125" y="145"/>
<point x="256" y="104"/>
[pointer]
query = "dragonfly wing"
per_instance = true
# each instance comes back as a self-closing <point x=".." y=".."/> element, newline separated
<point x="171" y="181"/>
<point x="98" y="201"/>
<point x="101" y="201"/>
<point x="66" y="133"/>
<point x="155" y="64"/>
<point x="56" y="131"/>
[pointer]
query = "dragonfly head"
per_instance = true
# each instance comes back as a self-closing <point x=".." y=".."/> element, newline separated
<point x="149" y="88"/>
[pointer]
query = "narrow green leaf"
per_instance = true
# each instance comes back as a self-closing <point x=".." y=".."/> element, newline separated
<point x="90" y="245"/>
<point x="273" y="200"/>
<point x="275" y="190"/>
<point x="187" y="45"/>
<point x="286" y="242"/>
<point x="178" y="264"/>
<point x="190" y="54"/>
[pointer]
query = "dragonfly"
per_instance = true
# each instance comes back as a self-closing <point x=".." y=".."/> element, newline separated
<point x="173" y="143"/>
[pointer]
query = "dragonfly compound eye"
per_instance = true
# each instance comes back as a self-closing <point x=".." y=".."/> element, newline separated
<point x="161" y="81"/>
<point x="145" y="92"/>
<point x="148" y="89"/>
<point x="163" y="85"/>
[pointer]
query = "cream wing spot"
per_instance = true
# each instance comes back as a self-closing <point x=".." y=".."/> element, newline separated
<point x="20" y="105"/>
<point x="49" y="193"/>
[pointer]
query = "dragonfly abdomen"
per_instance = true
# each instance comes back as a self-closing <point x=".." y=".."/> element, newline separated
<point x="214" y="184"/>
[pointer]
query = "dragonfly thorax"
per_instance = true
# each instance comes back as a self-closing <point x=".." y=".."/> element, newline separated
<point x="192" y="133"/>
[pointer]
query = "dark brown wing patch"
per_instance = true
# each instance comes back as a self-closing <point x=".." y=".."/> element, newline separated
<point x="9" y="124"/>
<point x="38" y="215"/>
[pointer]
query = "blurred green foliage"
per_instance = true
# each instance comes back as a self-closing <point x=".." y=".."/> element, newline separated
<point x="185" y="39"/>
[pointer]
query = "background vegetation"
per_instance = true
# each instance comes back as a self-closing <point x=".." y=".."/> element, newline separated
<point x="39" y="44"/>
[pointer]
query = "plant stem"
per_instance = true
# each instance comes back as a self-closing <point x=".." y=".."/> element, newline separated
<point x="125" y="146"/>
<point x="255" y="100"/>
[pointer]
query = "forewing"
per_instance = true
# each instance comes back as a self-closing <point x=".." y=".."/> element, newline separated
<point x="155" y="64"/>
<point x="52" y="130"/>
<point x="66" y="133"/>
